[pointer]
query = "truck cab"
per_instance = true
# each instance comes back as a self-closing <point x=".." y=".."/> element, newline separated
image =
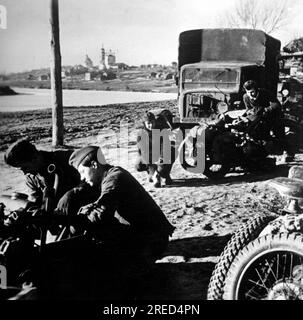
<point x="213" y="66"/>
<point x="208" y="89"/>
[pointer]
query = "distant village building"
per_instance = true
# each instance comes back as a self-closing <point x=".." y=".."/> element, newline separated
<point x="79" y="67"/>
<point x="88" y="62"/>
<point x="43" y="77"/>
<point x="87" y="76"/>
<point x="111" y="59"/>
<point x="64" y="74"/>
<point x="107" y="60"/>
<point x="153" y="74"/>
<point x="169" y="76"/>
<point x="122" y="66"/>
<point x="102" y="65"/>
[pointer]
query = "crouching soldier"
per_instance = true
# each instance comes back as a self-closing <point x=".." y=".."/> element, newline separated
<point x="264" y="112"/>
<point x="50" y="180"/>
<point x="124" y="216"/>
<point x="155" y="155"/>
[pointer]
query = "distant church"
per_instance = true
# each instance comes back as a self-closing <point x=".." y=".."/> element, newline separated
<point x="108" y="63"/>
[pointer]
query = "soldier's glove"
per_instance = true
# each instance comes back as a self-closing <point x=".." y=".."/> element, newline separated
<point x="64" y="206"/>
<point x="93" y="212"/>
<point x="85" y="210"/>
<point x="96" y="214"/>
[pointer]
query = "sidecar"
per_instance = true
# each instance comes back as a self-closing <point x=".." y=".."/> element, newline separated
<point x="264" y="258"/>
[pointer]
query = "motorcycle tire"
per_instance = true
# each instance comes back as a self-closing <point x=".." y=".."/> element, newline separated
<point x="268" y="268"/>
<point x="247" y="232"/>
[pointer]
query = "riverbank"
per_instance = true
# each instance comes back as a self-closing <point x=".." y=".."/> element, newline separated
<point x="35" y="99"/>
<point x="79" y="122"/>
<point x="134" y="85"/>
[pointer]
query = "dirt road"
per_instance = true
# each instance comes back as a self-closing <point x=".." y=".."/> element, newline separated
<point x="205" y="213"/>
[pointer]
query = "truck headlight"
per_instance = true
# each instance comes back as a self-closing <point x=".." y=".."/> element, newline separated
<point x="222" y="107"/>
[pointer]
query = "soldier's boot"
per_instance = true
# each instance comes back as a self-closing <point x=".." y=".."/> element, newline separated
<point x="157" y="180"/>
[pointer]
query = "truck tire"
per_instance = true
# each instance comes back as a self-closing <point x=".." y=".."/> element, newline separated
<point x="247" y="232"/>
<point x="268" y="268"/>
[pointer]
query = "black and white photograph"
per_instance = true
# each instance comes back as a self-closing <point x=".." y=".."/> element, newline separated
<point x="151" y="151"/>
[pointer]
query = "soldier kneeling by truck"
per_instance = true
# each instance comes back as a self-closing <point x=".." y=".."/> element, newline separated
<point x="264" y="113"/>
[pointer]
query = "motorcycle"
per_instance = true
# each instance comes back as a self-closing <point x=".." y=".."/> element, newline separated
<point x="263" y="260"/>
<point x="226" y="145"/>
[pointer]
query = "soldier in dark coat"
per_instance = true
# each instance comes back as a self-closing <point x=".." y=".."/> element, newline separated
<point x="124" y="216"/>
<point x="264" y="112"/>
<point x="48" y="175"/>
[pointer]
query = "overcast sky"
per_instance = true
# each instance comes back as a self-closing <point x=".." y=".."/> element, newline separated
<point x="138" y="31"/>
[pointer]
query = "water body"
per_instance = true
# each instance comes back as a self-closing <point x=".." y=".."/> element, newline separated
<point x="33" y="99"/>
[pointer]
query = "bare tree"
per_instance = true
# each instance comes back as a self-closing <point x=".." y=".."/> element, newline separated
<point x="269" y="15"/>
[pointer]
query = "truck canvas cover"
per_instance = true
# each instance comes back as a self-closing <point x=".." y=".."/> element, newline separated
<point x="232" y="45"/>
<point x="228" y="45"/>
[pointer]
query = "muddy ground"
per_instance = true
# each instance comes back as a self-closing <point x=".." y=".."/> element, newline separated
<point x="205" y="213"/>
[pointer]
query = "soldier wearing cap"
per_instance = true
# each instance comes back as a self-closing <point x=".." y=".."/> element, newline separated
<point x="124" y="213"/>
<point x="45" y="171"/>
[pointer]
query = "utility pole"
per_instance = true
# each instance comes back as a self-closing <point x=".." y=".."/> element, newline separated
<point x="55" y="72"/>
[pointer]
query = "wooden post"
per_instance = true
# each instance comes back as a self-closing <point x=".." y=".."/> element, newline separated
<point x="55" y="72"/>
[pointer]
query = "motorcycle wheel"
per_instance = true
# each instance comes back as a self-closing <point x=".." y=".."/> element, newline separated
<point x="248" y="232"/>
<point x="268" y="268"/>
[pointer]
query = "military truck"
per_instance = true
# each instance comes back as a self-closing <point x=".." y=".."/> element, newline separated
<point x="213" y="65"/>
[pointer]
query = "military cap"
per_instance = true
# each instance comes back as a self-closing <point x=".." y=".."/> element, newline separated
<point x="78" y="156"/>
<point x="20" y="151"/>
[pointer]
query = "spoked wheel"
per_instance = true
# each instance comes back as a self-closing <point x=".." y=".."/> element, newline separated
<point x="247" y="233"/>
<point x="268" y="268"/>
